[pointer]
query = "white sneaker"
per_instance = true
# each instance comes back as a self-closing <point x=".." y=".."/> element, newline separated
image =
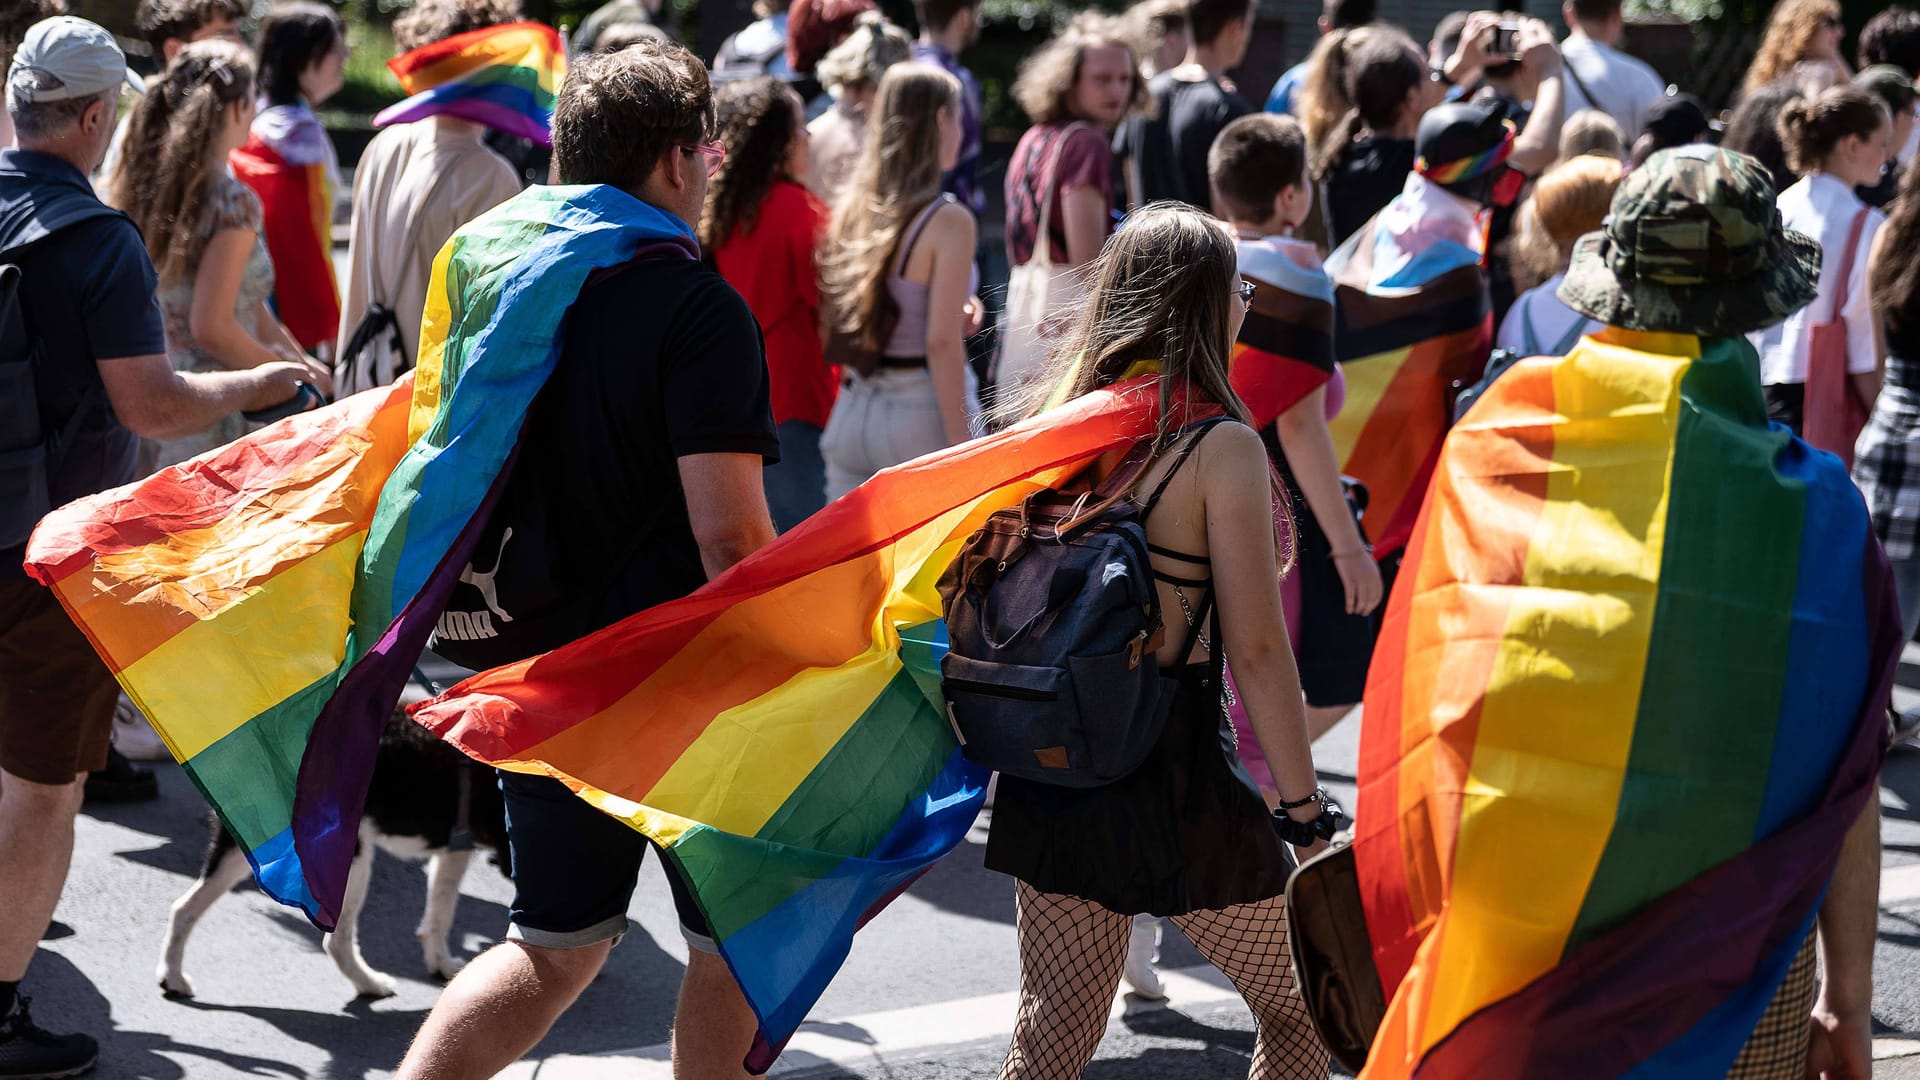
<point x="134" y="737"/>
<point x="1143" y="951"/>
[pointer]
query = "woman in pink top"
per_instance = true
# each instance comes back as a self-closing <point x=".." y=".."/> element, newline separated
<point x="761" y="227"/>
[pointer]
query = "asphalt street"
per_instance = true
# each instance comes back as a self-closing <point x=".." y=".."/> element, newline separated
<point x="927" y="992"/>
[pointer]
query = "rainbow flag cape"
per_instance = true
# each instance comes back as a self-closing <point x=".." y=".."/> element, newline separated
<point x="1413" y="324"/>
<point x="505" y="77"/>
<point x="1629" y="696"/>
<point x="1285" y="348"/>
<point x="781" y="733"/>
<point x="263" y="604"/>
<point x="296" y="203"/>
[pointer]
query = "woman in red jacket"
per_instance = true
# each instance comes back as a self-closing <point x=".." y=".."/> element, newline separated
<point x="761" y="227"/>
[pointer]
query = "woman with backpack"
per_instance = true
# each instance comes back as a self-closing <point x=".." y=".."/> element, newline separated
<point x="1185" y="834"/>
<point x="897" y="279"/>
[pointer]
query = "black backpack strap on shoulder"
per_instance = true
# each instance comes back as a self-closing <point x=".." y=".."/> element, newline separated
<point x="1193" y="433"/>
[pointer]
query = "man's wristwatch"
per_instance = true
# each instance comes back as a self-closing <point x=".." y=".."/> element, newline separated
<point x="1307" y="833"/>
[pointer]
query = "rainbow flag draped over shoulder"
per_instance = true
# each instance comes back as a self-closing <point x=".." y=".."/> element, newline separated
<point x="1285" y="348"/>
<point x="264" y="603"/>
<point x="1413" y="321"/>
<point x="505" y="77"/>
<point x="781" y="732"/>
<point x="296" y="203"/>
<point x="1628" y="697"/>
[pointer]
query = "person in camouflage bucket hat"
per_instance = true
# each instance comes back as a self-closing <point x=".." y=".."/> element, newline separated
<point x="1693" y="245"/>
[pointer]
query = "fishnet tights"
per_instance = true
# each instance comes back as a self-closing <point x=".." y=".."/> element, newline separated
<point x="1071" y="952"/>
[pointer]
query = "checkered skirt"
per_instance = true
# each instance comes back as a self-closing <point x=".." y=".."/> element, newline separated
<point x="1886" y="466"/>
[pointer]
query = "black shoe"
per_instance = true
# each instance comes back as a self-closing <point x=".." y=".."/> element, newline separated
<point x="28" y="1051"/>
<point x="120" y="781"/>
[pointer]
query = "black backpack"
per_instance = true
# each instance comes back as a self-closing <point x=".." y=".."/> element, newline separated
<point x="28" y="449"/>
<point x="1052" y="625"/>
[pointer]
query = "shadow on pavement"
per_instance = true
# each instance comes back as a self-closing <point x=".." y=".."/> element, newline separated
<point x="68" y="1001"/>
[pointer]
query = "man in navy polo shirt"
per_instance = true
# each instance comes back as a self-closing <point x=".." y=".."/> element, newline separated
<point x="101" y="380"/>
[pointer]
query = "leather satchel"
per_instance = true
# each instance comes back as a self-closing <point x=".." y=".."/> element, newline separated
<point x="1333" y="955"/>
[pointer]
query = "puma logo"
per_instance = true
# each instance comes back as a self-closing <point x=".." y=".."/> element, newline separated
<point x="484" y="582"/>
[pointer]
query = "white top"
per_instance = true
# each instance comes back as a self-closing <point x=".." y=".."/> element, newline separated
<point x="436" y="170"/>
<point x="1823" y="207"/>
<point x="1540" y="308"/>
<point x="1624" y="86"/>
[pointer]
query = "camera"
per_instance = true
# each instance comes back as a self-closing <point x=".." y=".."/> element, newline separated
<point x="1506" y="41"/>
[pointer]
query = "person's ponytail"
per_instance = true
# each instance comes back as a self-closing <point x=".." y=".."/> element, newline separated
<point x="1810" y="128"/>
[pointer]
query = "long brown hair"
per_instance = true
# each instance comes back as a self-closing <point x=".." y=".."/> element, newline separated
<point x="1894" y="277"/>
<point x="897" y="175"/>
<point x="759" y="118"/>
<point x="1790" y="30"/>
<point x="1158" y="291"/>
<point x="167" y="163"/>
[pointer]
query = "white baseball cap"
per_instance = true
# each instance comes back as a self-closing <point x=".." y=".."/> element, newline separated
<point x="63" y="58"/>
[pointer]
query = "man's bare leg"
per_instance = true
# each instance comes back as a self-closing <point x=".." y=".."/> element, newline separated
<point x="36" y="846"/>
<point x="713" y="1027"/>
<point x="498" y="1007"/>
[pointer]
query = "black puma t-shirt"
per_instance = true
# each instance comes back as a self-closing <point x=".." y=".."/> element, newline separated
<point x="660" y="361"/>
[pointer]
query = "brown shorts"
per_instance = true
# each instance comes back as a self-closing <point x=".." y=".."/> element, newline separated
<point x="56" y="697"/>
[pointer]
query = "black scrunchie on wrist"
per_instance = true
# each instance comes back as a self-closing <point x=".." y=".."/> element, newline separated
<point x="1308" y="833"/>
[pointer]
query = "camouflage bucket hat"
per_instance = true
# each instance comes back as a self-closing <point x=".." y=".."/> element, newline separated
<point x="1693" y="245"/>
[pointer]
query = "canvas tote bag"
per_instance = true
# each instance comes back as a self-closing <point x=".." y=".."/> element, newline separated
<point x="1038" y="293"/>
<point x="1834" y="412"/>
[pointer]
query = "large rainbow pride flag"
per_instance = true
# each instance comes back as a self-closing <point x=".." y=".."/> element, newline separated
<point x="1413" y="325"/>
<point x="1628" y="698"/>
<point x="263" y="604"/>
<point x="781" y="733"/>
<point x="505" y="77"/>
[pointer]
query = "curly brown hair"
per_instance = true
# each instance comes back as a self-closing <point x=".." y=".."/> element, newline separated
<point x="15" y="17"/>
<point x="1790" y="30"/>
<point x="437" y="20"/>
<point x="1044" y="87"/>
<point x="164" y="170"/>
<point x="759" y="119"/>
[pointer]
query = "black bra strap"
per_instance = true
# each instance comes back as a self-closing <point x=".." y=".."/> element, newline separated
<point x="1197" y="560"/>
<point x="1191" y="583"/>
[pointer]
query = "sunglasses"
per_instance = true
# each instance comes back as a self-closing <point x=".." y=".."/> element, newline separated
<point x="1245" y="290"/>
<point x="715" y="153"/>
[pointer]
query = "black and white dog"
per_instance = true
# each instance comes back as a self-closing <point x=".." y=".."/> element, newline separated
<point x="426" y="801"/>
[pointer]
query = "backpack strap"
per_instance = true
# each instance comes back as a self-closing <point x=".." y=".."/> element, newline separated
<point x="1572" y="337"/>
<point x="1198" y="430"/>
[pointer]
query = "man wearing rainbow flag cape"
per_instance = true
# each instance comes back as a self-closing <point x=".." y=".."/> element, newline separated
<point x="1625" y="719"/>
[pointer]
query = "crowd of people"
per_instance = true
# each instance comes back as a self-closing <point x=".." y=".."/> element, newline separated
<point x="829" y="169"/>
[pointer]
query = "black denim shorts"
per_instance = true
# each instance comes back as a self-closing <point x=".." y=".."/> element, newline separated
<point x="574" y="870"/>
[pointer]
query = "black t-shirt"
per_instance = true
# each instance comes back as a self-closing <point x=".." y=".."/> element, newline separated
<point x="87" y="294"/>
<point x="660" y="361"/>
<point x="1368" y="174"/>
<point x="1168" y="150"/>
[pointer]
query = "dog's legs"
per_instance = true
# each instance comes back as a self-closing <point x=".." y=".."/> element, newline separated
<point x="444" y="873"/>
<point x="230" y="870"/>
<point x="343" y="945"/>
